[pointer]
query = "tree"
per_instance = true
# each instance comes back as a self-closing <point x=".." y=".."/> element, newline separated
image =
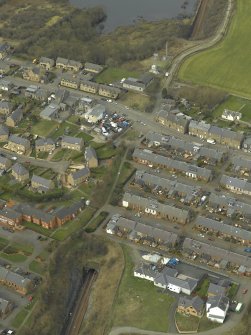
<point x="164" y="93"/>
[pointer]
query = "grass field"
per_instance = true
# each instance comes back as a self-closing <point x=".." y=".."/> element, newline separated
<point x="114" y="74"/>
<point x="19" y="318"/>
<point x="44" y="128"/>
<point x="139" y="303"/>
<point x="226" y="65"/>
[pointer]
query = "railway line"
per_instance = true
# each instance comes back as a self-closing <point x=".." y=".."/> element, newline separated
<point x="81" y="305"/>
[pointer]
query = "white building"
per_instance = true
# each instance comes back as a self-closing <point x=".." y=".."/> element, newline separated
<point x="231" y="115"/>
<point x="217" y="308"/>
<point x="95" y="114"/>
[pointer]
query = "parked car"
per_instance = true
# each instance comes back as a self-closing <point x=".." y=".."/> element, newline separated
<point x="247" y="249"/>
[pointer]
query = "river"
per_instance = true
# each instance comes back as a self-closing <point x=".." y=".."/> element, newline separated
<point x="126" y="12"/>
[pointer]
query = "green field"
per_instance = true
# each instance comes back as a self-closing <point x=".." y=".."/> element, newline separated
<point x="226" y="65"/>
<point x="139" y="303"/>
<point x="113" y="74"/>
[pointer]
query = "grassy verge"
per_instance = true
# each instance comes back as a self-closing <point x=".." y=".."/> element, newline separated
<point x="37" y="267"/>
<point x="15" y="258"/>
<point x="70" y="227"/>
<point x="95" y="223"/>
<point x="139" y="303"/>
<point x="206" y="324"/>
<point x="114" y="74"/>
<point x="37" y="228"/>
<point x="19" y="318"/>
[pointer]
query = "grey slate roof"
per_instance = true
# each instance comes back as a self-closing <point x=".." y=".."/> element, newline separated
<point x="196" y="302"/>
<point x="73" y="209"/>
<point x="165" y="279"/>
<point x="44" y="141"/>
<point x="215" y="289"/>
<point x="17" y="279"/>
<point x="220" y="301"/>
<point x="85" y="172"/>
<point x="42" y="181"/>
<point x="72" y="140"/>
<point x="239" y="161"/>
<point x="19" y="169"/>
<point x="149" y="156"/>
<point x="19" y="140"/>
<point x="163" y="209"/>
<point x="215" y="252"/>
<point x="34" y="212"/>
<point x="223" y="228"/>
<point x="90" y="153"/>
<point x="4" y="161"/>
<point x="241" y="185"/>
<point x="4" y="130"/>
<point x="10" y="213"/>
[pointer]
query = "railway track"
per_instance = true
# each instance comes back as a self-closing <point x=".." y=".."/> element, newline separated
<point x="200" y="17"/>
<point x="82" y="304"/>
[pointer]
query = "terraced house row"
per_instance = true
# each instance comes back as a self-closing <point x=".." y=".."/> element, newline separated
<point x="184" y="124"/>
<point x="152" y="207"/>
<point x="148" y="157"/>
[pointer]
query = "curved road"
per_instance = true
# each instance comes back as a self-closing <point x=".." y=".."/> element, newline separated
<point x="202" y="46"/>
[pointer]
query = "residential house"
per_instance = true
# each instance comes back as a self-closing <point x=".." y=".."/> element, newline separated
<point x="174" y="120"/>
<point x="147" y="157"/>
<point x="15" y="117"/>
<point x="223" y="229"/>
<point x="145" y="272"/>
<point x="241" y="164"/>
<point x="20" y="173"/>
<point x="51" y="112"/>
<point x="199" y="129"/>
<point x="155" y="208"/>
<point x="191" y="306"/>
<point x="41" y="184"/>
<point x="5" y="307"/>
<point x="61" y="95"/>
<point x="88" y="86"/>
<point x="37" y="216"/>
<point x="18" y="144"/>
<point x="216" y="254"/>
<point x="108" y="91"/>
<point x="74" y="65"/>
<point x="216" y="290"/>
<point x="217" y="308"/>
<point x="93" y="68"/>
<point x="169" y="279"/>
<point x="91" y="158"/>
<point x="5" y="107"/>
<point x="227" y="137"/>
<point x="78" y="177"/>
<point x="138" y="84"/>
<point x="72" y="143"/>
<point x="5" y="163"/>
<point x="6" y="85"/>
<point x="69" y="81"/>
<point x="239" y="186"/>
<point x="231" y="115"/>
<point x="10" y="217"/>
<point x="4" y="50"/>
<point x="95" y="114"/>
<point x="4" y="67"/>
<point x="41" y="94"/>
<point x="46" y="63"/>
<point x="61" y="63"/>
<point x="4" y="133"/>
<point x="45" y="145"/>
<point x="66" y="214"/>
<point x="247" y="144"/>
<point x="34" y="74"/>
<point x="15" y="281"/>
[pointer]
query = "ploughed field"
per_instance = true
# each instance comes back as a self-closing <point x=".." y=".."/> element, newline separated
<point x="227" y="65"/>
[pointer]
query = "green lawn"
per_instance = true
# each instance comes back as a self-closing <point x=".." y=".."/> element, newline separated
<point x="206" y="324"/>
<point x="16" y="258"/>
<point x="139" y="303"/>
<point x="44" y="128"/>
<point x="37" y="267"/>
<point x="226" y="65"/>
<point x="19" y="318"/>
<point x="95" y="223"/>
<point x="187" y="323"/>
<point x="202" y="289"/>
<point x="72" y="130"/>
<point x="106" y="151"/>
<point x="70" y="227"/>
<point x="235" y="104"/>
<point x="114" y="74"/>
<point x="3" y="243"/>
<point x="26" y="249"/>
<point x="37" y="228"/>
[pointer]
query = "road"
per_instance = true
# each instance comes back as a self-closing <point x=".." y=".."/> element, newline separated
<point x="59" y="167"/>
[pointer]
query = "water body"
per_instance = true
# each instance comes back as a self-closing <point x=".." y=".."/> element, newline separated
<point x="126" y="12"/>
